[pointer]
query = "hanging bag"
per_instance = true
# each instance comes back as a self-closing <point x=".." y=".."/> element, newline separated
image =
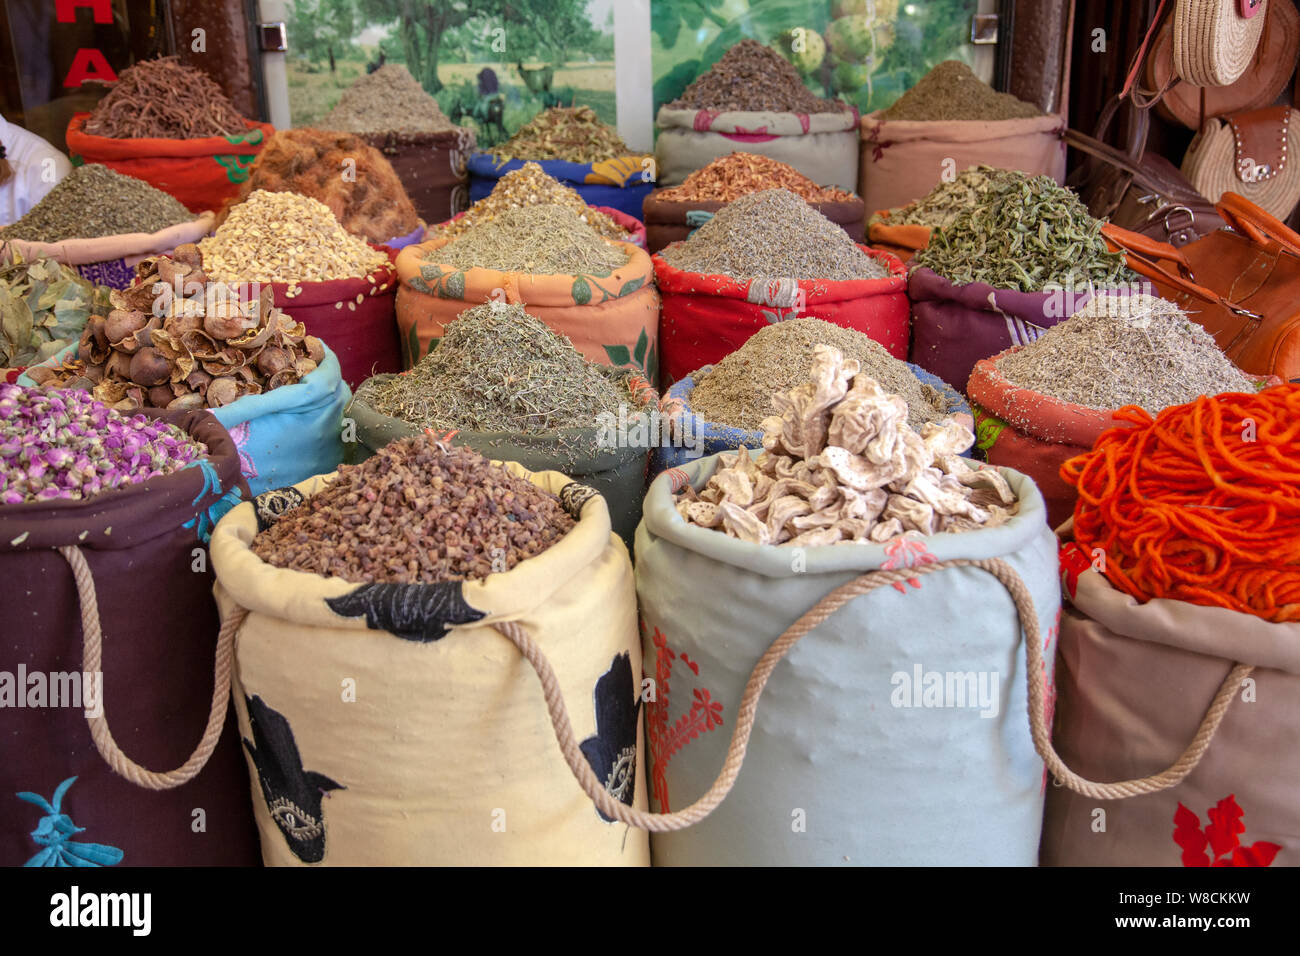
<point x="1250" y="154"/>
<point x="1215" y="40"/>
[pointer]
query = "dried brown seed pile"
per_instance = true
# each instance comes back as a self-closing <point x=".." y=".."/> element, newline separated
<point x="772" y="234"/>
<point x="542" y="240"/>
<point x="751" y="76"/>
<point x="388" y="100"/>
<point x="284" y="237"/>
<point x="739" y="389"/>
<point x="528" y="186"/>
<point x="417" y="512"/>
<point x="203" y="348"/>
<point x="841" y="465"/>
<point x="161" y="99"/>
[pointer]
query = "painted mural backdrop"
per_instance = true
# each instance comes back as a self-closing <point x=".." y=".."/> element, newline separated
<point x="868" y="52"/>
<point x="491" y="64"/>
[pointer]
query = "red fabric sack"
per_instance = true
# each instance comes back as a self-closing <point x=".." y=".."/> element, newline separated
<point x="201" y="173"/>
<point x="707" y="317"/>
<point x="363" y="334"/>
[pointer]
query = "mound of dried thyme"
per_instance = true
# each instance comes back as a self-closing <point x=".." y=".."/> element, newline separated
<point x="951" y="91"/>
<point x="772" y="234"/>
<point x="1125" y="350"/>
<point x="572" y="133"/>
<point x="1025" y="233"/>
<point x="389" y="100"/>
<point x="94" y="201"/>
<point x="542" y="240"/>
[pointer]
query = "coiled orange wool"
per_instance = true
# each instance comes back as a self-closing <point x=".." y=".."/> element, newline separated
<point x="1200" y="504"/>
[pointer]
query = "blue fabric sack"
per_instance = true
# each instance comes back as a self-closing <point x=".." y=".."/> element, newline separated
<point x="617" y="183"/>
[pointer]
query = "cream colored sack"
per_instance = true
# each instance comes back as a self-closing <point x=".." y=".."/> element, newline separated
<point x="433" y="746"/>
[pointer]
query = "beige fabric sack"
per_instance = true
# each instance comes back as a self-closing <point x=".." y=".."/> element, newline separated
<point x="1135" y="683"/>
<point x="902" y="160"/>
<point x="446" y="755"/>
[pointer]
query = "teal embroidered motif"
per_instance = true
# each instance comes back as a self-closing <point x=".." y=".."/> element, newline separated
<point x="205" y="521"/>
<point x="55" y="830"/>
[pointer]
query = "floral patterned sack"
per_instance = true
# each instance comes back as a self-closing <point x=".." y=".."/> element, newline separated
<point x="894" y="732"/>
<point x="393" y="724"/>
<point x="145" y="564"/>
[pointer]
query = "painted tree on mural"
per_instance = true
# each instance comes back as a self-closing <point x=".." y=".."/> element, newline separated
<point x="323" y="28"/>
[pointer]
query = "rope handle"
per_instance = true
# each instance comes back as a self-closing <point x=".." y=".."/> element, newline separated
<point x="92" y="655"/>
<point x="828" y="605"/>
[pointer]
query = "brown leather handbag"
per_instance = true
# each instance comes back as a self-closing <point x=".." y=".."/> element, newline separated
<point x="1242" y="284"/>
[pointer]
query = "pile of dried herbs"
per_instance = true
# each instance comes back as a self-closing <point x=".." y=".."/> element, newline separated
<point x="44" y="305"/>
<point x="772" y="234"/>
<point x="753" y="77"/>
<point x="541" y="240"/>
<point x="528" y="186"/>
<point x="951" y="91"/>
<point x="944" y="202"/>
<point x="94" y="201"/>
<point x="573" y="133"/>
<point x="388" y="100"/>
<point x="418" y="512"/>
<point x="736" y="175"/>
<point x="161" y="99"/>
<point x="1125" y="350"/>
<point x="499" y="369"/>
<point x="1025" y="233"/>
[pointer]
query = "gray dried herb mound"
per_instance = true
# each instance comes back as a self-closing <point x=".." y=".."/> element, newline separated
<point x="772" y="234"/>
<point x="418" y="512"/>
<point x="1125" y="350"/>
<point x="540" y="240"/>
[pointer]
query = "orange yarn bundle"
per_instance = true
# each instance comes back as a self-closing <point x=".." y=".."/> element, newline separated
<point x="1200" y="504"/>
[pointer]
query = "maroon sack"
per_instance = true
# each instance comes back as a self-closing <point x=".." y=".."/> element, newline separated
<point x="432" y="168"/>
<point x="145" y="549"/>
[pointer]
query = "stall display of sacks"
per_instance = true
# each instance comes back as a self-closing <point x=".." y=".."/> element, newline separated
<point x="902" y="160"/>
<point x="691" y="437"/>
<point x="354" y="317"/>
<point x="201" y="173"/>
<point x="621" y="183"/>
<point x="668" y="221"/>
<point x="1232" y="801"/>
<point x="822" y="146"/>
<point x="855" y="756"/>
<point x="594" y="456"/>
<point x="707" y="317"/>
<point x="285" y="435"/>
<point x="111" y="260"/>
<point x="449" y="732"/>
<point x="141" y="683"/>
<point x="612" y="320"/>
<point x="432" y="167"/>
<point x="636" y="230"/>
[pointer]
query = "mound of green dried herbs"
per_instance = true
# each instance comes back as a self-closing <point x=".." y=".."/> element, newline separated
<point x="941" y="206"/>
<point x="94" y="201"/>
<point x="44" y="305"/>
<point x="542" y="240"/>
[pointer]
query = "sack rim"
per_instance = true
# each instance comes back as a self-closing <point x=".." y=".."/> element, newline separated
<point x="81" y="252"/>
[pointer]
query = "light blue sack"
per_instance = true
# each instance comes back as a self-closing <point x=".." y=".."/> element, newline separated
<point x="285" y="436"/>
<point x="896" y="732"/>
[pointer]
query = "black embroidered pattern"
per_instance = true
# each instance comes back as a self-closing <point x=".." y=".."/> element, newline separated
<point x="573" y="496"/>
<point x="413" y="612"/>
<point x="274" y="504"/>
<point x="293" y="795"/>
<point x="612" y="751"/>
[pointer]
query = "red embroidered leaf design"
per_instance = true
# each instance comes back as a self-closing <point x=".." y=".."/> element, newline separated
<point x="1188" y="835"/>
<point x="1260" y="853"/>
<point x="1225" y="824"/>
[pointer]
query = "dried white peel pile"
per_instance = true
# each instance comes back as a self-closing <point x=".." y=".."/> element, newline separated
<point x="841" y="465"/>
<point x="1125" y="350"/>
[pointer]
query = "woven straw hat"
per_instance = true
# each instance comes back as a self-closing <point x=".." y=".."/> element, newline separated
<point x="1213" y="42"/>
<point x="1213" y="165"/>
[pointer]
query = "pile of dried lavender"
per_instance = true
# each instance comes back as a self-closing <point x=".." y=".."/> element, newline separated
<point x="738" y="390"/>
<point x="528" y="186"/>
<point x="749" y="77"/>
<point x="944" y="202"/>
<point x="1125" y="350"/>
<point x="417" y="512"/>
<point x="388" y="100"/>
<point x="94" y="201"/>
<point x="772" y="234"/>
<point x="542" y="240"/>
<point x="65" y="445"/>
<point x="841" y="465"/>
<point x="499" y="369"/>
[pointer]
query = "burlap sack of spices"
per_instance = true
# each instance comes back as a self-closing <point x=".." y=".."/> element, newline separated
<point x="446" y="754"/>
<point x="133" y="559"/>
<point x="1139" y="689"/>
<point x="613" y="319"/>
<point x="893" y="733"/>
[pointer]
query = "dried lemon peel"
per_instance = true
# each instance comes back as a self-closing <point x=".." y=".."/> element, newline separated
<point x="840" y="464"/>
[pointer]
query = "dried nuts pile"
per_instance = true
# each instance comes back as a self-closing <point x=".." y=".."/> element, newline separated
<point x="417" y="512"/>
